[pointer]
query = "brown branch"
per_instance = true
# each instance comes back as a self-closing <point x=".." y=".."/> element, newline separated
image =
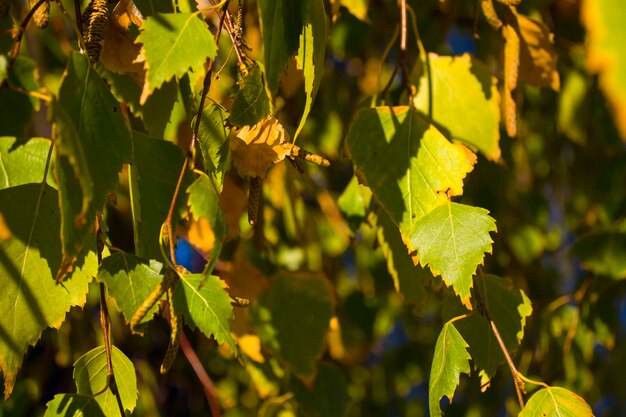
<point x="207" y="385"/>
<point x="18" y="33"/>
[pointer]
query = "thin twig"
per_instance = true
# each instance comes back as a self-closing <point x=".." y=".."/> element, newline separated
<point x="19" y="33"/>
<point x="517" y="380"/>
<point x="209" y="388"/>
<point x="105" y="323"/>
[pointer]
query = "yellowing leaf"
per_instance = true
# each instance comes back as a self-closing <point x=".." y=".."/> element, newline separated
<point x="358" y="8"/>
<point x="537" y="54"/>
<point x="200" y="234"/>
<point x="604" y="20"/>
<point x="408" y="164"/>
<point x="461" y="97"/>
<point x="250" y="345"/>
<point x="119" y="52"/>
<point x="452" y="239"/>
<point x="556" y="401"/>
<point x="449" y="361"/>
<point x="255" y="149"/>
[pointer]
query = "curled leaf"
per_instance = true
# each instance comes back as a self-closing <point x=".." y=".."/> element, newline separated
<point x="256" y="148"/>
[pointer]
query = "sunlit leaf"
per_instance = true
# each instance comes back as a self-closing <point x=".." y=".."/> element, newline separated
<point x="92" y="141"/>
<point x="90" y="375"/>
<point x="257" y="148"/>
<point x="166" y="39"/>
<point x="604" y="20"/>
<point x="205" y="304"/>
<point x="603" y="253"/>
<point x="251" y="102"/>
<point x="358" y="8"/>
<point x="284" y="320"/>
<point x="74" y="405"/>
<point x="354" y="203"/>
<point x="15" y="154"/>
<point x="30" y="255"/>
<point x="507" y="306"/>
<point x="556" y="401"/>
<point x="281" y="26"/>
<point x="452" y="240"/>
<point x="213" y="142"/>
<point x="465" y="101"/>
<point x="311" y="53"/>
<point x="129" y="280"/>
<point x="449" y="361"/>
<point x="408" y="164"/>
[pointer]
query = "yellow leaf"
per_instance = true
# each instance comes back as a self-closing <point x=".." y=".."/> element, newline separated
<point x="200" y="234"/>
<point x="537" y="54"/>
<point x="250" y="345"/>
<point x="258" y="147"/>
<point x="119" y="52"/>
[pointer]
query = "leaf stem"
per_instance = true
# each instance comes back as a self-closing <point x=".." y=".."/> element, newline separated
<point x="518" y="378"/>
<point x="105" y="323"/>
<point x="209" y="388"/>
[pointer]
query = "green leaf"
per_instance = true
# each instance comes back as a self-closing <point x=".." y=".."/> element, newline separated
<point x="92" y="142"/>
<point x="90" y="375"/>
<point x="556" y="401"/>
<point x="452" y="240"/>
<point x="408" y="278"/>
<point x="327" y="397"/>
<point x="16" y="121"/>
<point x="29" y="257"/>
<point x="603" y="253"/>
<point x="354" y="203"/>
<point x="153" y="177"/>
<point x="130" y="280"/>
<point x="408" y="164"/>
<point x="606" y="34"/>
<point x="213" y="141"/>
<point x="508" y="307"/>
<point x="251" y="102"/>
<point x="172" y="45"/>
<point x="208" y="228"/>
<point x="281" y="26"/>
<point x="461" y="97"/>
<point x="449" y="361"/>
<point x="155" y="111"/>
<point x="283" y="319"/>
<point x="16" y="154"/>
<point x="205" y="304"/>
<point x="311" y="53"/>
<point x="74" y="405"/>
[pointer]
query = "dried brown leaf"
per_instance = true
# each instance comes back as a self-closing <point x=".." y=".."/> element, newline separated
<point x="537" y="54"/>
